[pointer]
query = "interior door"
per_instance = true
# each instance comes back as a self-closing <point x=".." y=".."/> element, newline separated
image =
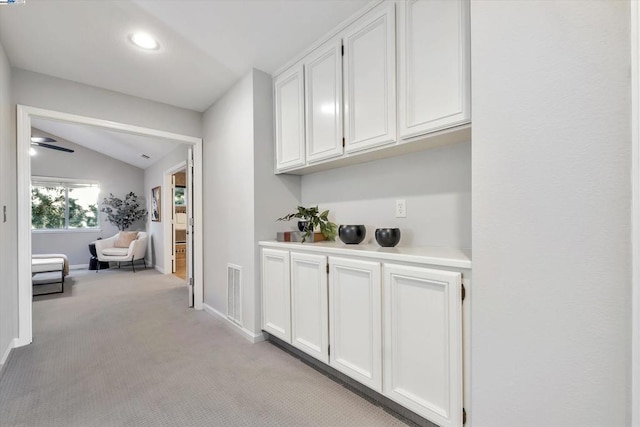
<point x="173" y="224"/>
<point x="189" y="232"/>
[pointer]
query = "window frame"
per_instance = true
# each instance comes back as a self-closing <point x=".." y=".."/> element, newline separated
<point x="66" y="182"/>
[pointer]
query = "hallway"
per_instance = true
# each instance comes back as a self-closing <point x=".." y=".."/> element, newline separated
<point x="123" y="349"/>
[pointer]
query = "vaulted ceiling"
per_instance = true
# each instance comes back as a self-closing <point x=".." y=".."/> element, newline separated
<point x="206" y="45"/>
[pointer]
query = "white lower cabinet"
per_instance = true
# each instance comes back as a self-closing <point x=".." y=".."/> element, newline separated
<point x="423" y="342"/>
<point x="276" y="294"/>
<point x="355" y="323"/>
<point x="309" y="312"/>
<point x="394" y="328"/>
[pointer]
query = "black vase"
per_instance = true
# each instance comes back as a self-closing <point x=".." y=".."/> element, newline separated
<point x="352" y="234"/>
<point x="388" y="237"/>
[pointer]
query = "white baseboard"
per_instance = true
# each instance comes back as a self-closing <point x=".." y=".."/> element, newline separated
<point x="79" y="267"/>
<point x="5" y="355"/>
<point x="247" y="334"/>
<point x="157" y="268"/>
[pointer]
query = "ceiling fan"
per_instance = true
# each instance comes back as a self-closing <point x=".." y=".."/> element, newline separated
<point x="42" y="141"/>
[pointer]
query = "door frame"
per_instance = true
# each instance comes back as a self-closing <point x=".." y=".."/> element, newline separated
<point x="169" y="205"/>
<point x="23" y="144"/>
<point x="635" y="214"/>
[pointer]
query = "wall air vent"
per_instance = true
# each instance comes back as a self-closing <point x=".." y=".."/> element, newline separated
<point x="144" y="156"/>
<point x="234" y="293"/>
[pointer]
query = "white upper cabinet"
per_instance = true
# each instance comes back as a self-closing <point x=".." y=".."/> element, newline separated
<point x="433" y="65"/>
<point x="398" y="73"/>
<point x="369" y="79"/>
<point x="289" y="117"/>
<point x="323" y="101"/>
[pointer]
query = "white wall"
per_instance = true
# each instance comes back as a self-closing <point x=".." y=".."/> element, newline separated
<point x="153" y="177"/>
<point x="39" y="90"/>
<point x="242" y="195"/>
<point x="436" y="185"/>
<point x="114" y="176"/>
<point x="551" y="214"/>
<point x="228" y="203"/>
<point x="8" y="229"/>
<point x="275" y="195"/>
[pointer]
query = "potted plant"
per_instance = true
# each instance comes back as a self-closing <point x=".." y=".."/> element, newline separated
<point x="311" y="219"/>
<point x="123" y="213"/>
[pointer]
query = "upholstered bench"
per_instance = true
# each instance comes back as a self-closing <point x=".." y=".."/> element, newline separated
<point x="48" y="265"/>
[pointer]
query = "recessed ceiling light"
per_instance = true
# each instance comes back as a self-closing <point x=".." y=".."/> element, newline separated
<point x="145" y="41"/>
<point x="32" y="151"/>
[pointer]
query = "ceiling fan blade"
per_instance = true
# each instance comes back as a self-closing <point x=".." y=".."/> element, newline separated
<point x="42" y="139"/>
<point x="53" y="147"/>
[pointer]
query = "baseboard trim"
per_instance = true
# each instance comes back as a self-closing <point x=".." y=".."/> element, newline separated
<point x="157" y="268"/>
<point x="5" y="355"/>
<point x="247" y="334"/>
<point x="79" y="267"/>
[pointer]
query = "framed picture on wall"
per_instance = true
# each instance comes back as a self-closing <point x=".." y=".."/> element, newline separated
<point x="155" y="204"/>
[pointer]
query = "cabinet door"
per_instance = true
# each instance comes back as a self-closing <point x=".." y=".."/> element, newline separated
<point x="423" y="342"/>
<point x="369" y="79"/>
<point x="289" y="115"/>
<point x="276" y="294"/>
<point x="434" y="65"/>
<point x="323" y="102"/>
<point x="309" y="299"/>
<point x="355" y="324"/>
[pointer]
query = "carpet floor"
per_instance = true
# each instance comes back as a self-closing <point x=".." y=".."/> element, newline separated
<point x="123" y="349"/>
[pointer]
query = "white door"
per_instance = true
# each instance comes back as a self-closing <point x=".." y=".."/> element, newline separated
<point x="276" y="294"/>
<point x="323" y="101"/>
<point x="173" y="224"/>
<point x="370" y="80"/>
<point x="289" y="115"/>
<point x="309" y="299"/>
<point x="189" y="233"/>
<point x="355" y="323"/>
<point x="423" y="342"/>
<point x="433" y="65"/>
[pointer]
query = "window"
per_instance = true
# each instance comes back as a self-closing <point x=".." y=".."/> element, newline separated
<point x="58" y="204"/>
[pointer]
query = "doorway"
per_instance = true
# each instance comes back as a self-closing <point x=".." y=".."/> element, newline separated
<point x="25" y="115"/>
<point x="179" y="224"/>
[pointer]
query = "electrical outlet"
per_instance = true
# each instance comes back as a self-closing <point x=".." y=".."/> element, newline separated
<point x="401" y="208"/>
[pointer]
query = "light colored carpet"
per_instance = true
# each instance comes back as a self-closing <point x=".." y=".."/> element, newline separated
<point x="122" y="349"/>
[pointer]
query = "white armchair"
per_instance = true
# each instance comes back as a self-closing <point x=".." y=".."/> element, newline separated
<point x="107" y="252"/>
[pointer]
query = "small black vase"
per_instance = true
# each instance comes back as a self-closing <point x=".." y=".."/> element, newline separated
<point x="387" y="237"/>
<point x="352" y="234"/>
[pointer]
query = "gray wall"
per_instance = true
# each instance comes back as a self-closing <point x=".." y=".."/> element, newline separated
<point x="8" y="198"/>
<point x="436" y="185"/>
<point x="242" y="195"/>
<point x="153" y="177"/>
<point x="551" y="339"/>
<point x="114" y="176"/>
<point x="39" y="90"/>
<point x="228" y="177"/>
<point x="274" y="195"/>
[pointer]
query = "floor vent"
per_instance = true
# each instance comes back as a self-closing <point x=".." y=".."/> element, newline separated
<point x="234" y="293"/>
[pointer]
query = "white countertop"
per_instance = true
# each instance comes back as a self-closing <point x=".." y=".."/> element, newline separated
<point x="445" y="257"/>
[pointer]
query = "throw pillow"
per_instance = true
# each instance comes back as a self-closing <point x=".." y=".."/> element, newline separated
<point x="125" y="238"/>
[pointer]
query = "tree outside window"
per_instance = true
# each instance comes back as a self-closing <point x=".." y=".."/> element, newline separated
<point x="64" y="205"/>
